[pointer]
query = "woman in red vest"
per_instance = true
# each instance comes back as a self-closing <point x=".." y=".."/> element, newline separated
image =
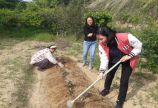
<point x="112" y="48"/>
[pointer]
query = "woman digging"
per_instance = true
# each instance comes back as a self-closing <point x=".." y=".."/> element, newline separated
<point x="112" y="48"/>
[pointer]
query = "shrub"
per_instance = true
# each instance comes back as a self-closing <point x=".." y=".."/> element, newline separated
<point x="8" y="17"/>
<point x="30" y="18"/>
<point x="55" y="19"/>
<point x="102" y="18"/>
<point x="150" y="42"/>
<point x="126" y="17"/>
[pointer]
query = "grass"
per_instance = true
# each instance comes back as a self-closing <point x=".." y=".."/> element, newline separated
<point x="23" y="82"/>
<point x="43" y="37"/>
<point x="23" y="34"/>
<point x="154" y="93"/>
<point x="19" y="73"/>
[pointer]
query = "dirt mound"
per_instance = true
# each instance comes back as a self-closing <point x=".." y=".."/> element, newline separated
<point x="56" y="86"/>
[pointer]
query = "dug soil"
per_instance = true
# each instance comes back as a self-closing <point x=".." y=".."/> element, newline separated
<point x="55" y="86"/>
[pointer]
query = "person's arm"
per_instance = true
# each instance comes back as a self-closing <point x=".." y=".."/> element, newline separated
<point x="50" y="57"/>
<point x="137" y="47"/>
<point x="87" y="33"/>
<point x="103" y="60"/>
<point x="136" y="44"/>
<point x="95" y="31"/>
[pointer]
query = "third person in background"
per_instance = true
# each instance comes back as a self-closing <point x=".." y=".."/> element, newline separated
<point x="90" y="43"/>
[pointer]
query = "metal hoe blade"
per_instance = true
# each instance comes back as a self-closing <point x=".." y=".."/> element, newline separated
<point x="70" y="104"/>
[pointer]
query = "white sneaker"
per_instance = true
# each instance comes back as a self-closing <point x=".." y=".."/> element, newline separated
<point x="84" y="64"/>
<point x="90" y="67"/>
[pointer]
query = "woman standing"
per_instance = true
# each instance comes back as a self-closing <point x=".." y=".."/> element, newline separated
<point x="112" y="48"/>
<point x="89" y="44"/>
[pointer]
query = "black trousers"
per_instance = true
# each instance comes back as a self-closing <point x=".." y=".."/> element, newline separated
<point x="125" y="75"/>
<point x="44" y="64"/>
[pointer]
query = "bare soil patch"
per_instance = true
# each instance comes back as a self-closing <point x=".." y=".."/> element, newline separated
<point x="55" y="86"/>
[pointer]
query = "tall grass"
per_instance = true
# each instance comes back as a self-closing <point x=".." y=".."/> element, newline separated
<point x="154" y="93"/>
<point x="43" y="37"/>
<point x="26" y="34"/>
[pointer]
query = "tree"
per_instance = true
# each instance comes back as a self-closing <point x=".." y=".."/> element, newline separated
<point x="75" y="15"/>
<point x="10" y="4"/>
<point x="149" y="36"/>
<point x="102" y="18"/>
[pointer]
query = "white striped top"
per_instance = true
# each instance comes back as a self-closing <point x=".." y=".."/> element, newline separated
<point x="43" y="54"/>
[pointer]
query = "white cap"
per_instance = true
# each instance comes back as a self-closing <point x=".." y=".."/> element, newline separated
<point x="53" y="46"/>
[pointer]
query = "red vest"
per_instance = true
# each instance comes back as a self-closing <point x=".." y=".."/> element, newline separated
<point x="123" y="46"/>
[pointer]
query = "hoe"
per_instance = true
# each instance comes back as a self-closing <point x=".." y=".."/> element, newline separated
<point x="70" y="103"/>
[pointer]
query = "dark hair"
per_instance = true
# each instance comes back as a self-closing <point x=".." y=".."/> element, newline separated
<point x="107" y="32"/>
<point x="93" y="24"/>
